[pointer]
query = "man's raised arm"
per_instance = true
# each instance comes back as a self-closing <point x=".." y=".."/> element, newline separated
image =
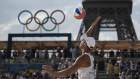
<point x="89" y="31"/>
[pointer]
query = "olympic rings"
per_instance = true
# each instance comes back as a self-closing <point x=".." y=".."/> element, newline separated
<point x="31" y="29"/>
<point x="41" y="11"/>
<point x="60" y="21"/>
<point x="23" y="12"/>
<point x="45" y="20"/>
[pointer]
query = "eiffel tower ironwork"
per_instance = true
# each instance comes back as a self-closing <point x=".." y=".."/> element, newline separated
<point x="116" y="16"/>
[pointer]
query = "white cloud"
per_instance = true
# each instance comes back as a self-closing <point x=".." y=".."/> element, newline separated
<point x="137" y="27"/>
<point x="137" y="13"/>
<point x="136" y="2"/>
<point x="8" y="26"/>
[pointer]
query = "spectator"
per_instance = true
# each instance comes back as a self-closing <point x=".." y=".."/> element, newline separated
<point x="127" y="64"/>
<point x="111" y="53"/>
<point x="11" y="60"/>
<point x="73" y="53"/>
<point x="101" y="53"/>
<point x="5" y="54"/>
<point x="28" y="55"/>
<point x="109" y="69"/>
<point x="65" y="53"/>
<point x="2" y="69"/>
<point x="22" y="71"/>
<point x="40" y="54"/>
<point x="28" y="52"/>
<point x="132" y="51"/>
<point x="15" y="53"/>
<point x="46" y="54"/>
<point x="118" y="53"/>
<point x="138" y="52"/>
<point x="0" y="56"/>
<point x="13" y="75"/>
<point x="121" y="64"/>
<point x="59" y="52"/>
<point x="96" y="51"/>
<point x="124" y="53"/>
<point x="43" y="54"/>
<point x="33" y="53"/>
<point x="37" y="54"/>
<point x="128" y="74"/>
<point x="60" y="66"/>
<point x="43" y="73"/>
<point x="138" y="65"/>
<point x="133" y="67"/>
<point x="78" y="51"/>
<point x="31" y="71"/>
<point x="116" y="71"/>
<point x="53" y="57"/>
<point x="114" y="61"/>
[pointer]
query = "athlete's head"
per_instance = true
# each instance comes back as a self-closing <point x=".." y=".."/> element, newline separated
<point x="87" y="42"/>
<point x="83" y="44"/>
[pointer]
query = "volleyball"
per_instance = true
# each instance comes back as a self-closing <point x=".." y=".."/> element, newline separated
<point x="79" y="13"/>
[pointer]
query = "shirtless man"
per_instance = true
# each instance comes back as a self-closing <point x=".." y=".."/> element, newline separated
<point x="84" y="63"/>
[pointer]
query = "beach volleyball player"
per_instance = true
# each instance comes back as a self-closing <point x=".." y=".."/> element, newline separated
<point x="84" y="63"/>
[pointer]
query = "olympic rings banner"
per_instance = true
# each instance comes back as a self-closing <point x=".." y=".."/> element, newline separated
<point x="41" y="23"/>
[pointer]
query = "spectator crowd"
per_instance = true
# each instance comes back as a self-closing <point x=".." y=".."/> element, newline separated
<point x="119" y="64"/>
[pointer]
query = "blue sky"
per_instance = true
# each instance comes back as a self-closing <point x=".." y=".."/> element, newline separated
<point x="9" y="10"/>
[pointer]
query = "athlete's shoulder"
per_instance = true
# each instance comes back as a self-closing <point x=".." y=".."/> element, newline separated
<point x="82" y="57"/>
<point x="84" y="60"/>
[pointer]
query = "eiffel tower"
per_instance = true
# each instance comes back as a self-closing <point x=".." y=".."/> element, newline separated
<point x="115" y="17"/>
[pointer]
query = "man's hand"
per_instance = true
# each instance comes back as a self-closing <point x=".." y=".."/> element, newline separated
<point x="47" y="68"/>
